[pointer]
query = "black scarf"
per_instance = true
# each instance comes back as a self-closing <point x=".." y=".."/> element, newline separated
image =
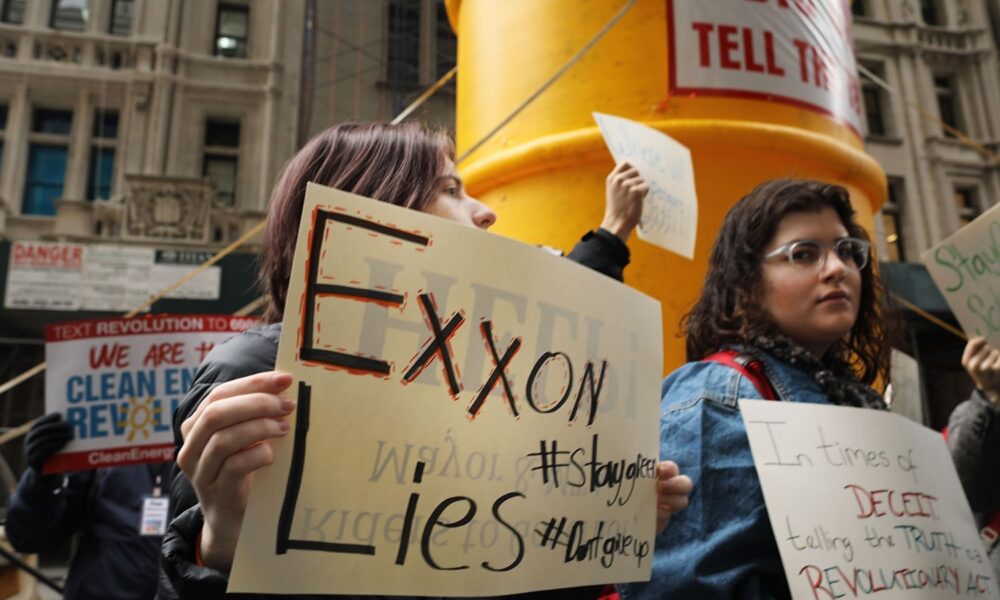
<point x="834" y="376"/>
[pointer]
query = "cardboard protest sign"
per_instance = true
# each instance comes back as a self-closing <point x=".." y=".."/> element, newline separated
<point x="474" y="416"/>
<point x="670" y="210"/>
<point x="966" y="268"/>
<point x="118" y="381"/>
<point x="865" y="502"/>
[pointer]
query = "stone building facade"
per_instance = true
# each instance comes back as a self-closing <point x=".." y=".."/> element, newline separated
<point x="939" y="59"/>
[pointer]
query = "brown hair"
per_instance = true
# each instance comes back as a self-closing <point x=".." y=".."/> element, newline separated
<point x="729" y="311"/>
<point x="399" y="164"/>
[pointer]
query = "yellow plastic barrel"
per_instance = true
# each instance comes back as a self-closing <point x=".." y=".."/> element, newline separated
<point x="544" y="172"/>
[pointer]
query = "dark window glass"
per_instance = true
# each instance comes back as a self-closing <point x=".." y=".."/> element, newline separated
<point x="121" y="17"/>
<point x="69" y="15"/>
<point x="873" y="110"/>
<point x="231" y="27"/>
<point x="965" y="201"/>
<point x="46" y="174"/>
<point x="13" y="12"/>
<point x="3" y="117"/>
<point x="222" y="134"/>
<point x="1" y="154"/>
<point x="46" y="120"/>
<point x="222" y="171"/>
<point x="945" y="90"/>
<point x="892" y="221"/>
<point x="930" y="13"/>
<point x="102" y="169"/>
<point x="404" y="43"/>
<point x="106" y="124"/>
<point x="447" y="43"/>
<point x="859" y="8"/>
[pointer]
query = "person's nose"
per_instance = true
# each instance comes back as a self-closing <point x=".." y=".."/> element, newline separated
<point x="483" y="216"/>
<point x="834" y="268"/>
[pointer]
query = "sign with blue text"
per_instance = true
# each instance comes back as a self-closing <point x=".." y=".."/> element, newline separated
<point x="118" y="381"/>
<point x="474" y="416"/>
<point x="670" y="210"/>
<point x="865" y="502"/>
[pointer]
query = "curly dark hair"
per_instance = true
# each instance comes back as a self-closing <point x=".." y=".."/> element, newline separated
<point x="729" y="309"/>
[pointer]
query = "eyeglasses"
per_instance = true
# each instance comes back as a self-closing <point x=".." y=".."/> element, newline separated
<point x="810" y="253"/>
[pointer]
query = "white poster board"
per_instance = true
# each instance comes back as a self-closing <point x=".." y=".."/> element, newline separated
<point x="865" y="502"/>
<point x="670" y="210"/>
<point x="102" y="277"/>
<point x="117" y="382"/>
<point x="468" y="422"/>
<point x="794" y="52"/>
<point x="965" y="267"/>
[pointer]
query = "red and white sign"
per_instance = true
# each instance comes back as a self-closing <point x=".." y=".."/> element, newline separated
<point x="118" y="382"/>
<point x="794" y="51"/>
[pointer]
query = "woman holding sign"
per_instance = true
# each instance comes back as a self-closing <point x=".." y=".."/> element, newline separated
<point x="237" y="403"/>
<point x="791" y="311"/>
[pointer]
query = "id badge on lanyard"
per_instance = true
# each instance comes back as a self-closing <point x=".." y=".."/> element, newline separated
<point x="155" y="509"/>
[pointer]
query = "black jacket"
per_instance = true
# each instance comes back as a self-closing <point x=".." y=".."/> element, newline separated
<point x="255" y="351"/>
<point x="112" y="560"/>
<point x="974" y="441"/>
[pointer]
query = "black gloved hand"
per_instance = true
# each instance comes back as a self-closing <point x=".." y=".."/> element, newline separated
<point x="47" y="435"/>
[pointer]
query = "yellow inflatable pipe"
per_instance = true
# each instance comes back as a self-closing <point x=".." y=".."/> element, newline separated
<point x="544" y="172"/>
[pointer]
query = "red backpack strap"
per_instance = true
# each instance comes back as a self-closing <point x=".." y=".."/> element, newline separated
<point x="991" y="533"/>
<point x="753" y="370"/>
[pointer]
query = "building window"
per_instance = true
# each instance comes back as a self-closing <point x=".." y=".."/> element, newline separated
<point x="859" y="8"/>
<point x="222" y="149"/>
<point x="875" y="101"/>
<point x="231" y="28"/>
<point x="892" y="221"/>
<point x="447" y="44"/>
<point x="965" y="202"/>
<point x="403" y="66"/>
<point x="100" y="175"/>
<point x="12" y="11"/>
<point x="3" y="128"/>
<point x="69" y="15"/>
<point x="121" y="17"/>
<point x="931" y="13"/>
<point x="57" y="122"/>
<point x="944" y="89"/>
<point x="48" y="154"/>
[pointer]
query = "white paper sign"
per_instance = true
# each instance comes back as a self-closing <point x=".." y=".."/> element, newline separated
<point x="865" y="502"/>
<point x="670" y="211"/>
<point x="44" y="275"/>
<point x="907" y="397"/>
<point x="966" y="270"/>
<point x="102" y="277"/>
<point x="793" y="52"/>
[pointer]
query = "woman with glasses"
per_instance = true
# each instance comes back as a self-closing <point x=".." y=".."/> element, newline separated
<point x="790" y="311"/>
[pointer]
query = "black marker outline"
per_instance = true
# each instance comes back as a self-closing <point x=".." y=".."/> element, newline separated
<point x="314" y="289"/>
<point x="284" y="543"/>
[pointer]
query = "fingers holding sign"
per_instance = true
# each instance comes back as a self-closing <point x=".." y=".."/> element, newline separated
<point x="982" y="361"/>
<point x="625" y="190"/>
<point x="225" y="442"/>
<point x="672" y="491"/>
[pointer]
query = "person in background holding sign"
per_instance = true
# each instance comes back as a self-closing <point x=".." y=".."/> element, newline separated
<point x="974" y="440"/>
<point x="789" y="304"/>
<point x="119" y="513"/>
<point x="236" y="405"/>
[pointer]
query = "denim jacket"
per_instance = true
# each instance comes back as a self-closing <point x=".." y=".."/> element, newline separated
<point x="721" y="545"/>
